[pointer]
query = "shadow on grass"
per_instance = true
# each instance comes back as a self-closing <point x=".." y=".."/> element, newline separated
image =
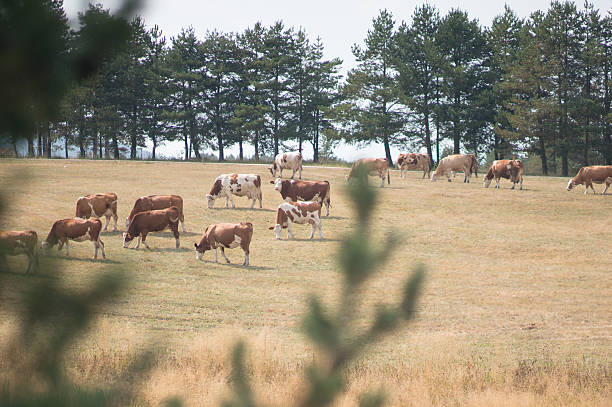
<point x="222" y="263"/>
<point x="332" y="217"/>
<point x="314" y="239"/>
<point x="163" y="249"/>
<point x="86" y="259"/>
<point x="242" y="209"/>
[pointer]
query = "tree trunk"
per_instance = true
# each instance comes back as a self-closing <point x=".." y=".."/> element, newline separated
<point x="542" y="152"/>
<point x="185" y="137"/>
<point x="48" y="140"/>
<point x="388" y="150"/>
<point x="115" y="147"/>
<point x="315" y="141"/>
<point x="39" y="153"/>
<point x="154" y="148"/>
<point x="256" y="145"/>
<point x="15" y="149"/>
<point x="428" y="135"/>
<point x="31" y="145"/>
<point x="106" y="151"/>
<point x="66" y="146"/>
<point x="240" y="150"/>
<point x="220" y="144"/>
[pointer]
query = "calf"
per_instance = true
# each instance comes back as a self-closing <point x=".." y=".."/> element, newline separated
<point x="291" y="161"/>
<point x="153" y="202"/>
<point x="13" y="243"/>
<point x="292" y="190"/>
<point x="597" y="174"/>
<point x="509" y="169"/>
<point x="297" y="212"/>
<point x="226" y="236"/>
<point x="455" y="162"/>
<point x="412" y="161"/>
<point x="96" y="206"/>
<point x="373" y="166"/>
<point x="248" y="185"/>
<point x="152" y="221"/>
<point x="76" y="229"/>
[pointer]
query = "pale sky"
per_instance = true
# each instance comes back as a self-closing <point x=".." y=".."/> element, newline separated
<point x="340" y="24"/>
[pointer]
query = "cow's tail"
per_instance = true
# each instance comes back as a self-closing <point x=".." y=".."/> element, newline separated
<point x="474" y="168"/>
<point x="328" y="195"/>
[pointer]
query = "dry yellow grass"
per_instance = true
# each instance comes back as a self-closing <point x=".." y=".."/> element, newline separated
<point x="516" y="310"/>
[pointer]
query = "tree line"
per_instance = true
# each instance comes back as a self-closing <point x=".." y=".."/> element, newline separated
<point x="538" y="85"/>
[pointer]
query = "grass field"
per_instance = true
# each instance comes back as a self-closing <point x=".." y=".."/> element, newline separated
<point x="516" y="310"/>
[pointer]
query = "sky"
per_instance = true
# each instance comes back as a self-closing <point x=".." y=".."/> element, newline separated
<point x="339" y="23"/>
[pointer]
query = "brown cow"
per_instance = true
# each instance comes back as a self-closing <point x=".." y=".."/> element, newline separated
<point x="226" y="236"/>
<point x="297" y="212"/>
<point x="156" y="220"/>
<point x="152" y="202"/>
<point x="413" y="161"/>
<point x="597" y="174"/>
<point x="509" y="169"/>
<point x="96" y="206"/>
<point x="374" y="166"/>
<point x="13" y="243"/>
<point x="317" y="191"/>
<point x="76" y="229"/>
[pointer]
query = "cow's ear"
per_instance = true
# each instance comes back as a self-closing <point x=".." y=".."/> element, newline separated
<point x="272" y="182"/>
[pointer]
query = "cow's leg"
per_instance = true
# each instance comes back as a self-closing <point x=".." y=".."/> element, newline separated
<point x="289" y="230"/>
<point x="253" y="203"/>
<point x="513" y="184"/>
<point x="144" y="241"/>
<point x="66" y="247"/>
<point x="115" y="218"/>
<point x="138" y="242"/>
<point x="226" y="201"/>
<point x="312" y="223"/>
<point x="95" y="245"/>
<point x="107" y="222"/>
<point x="280" y="174"/>
<point x="101" y="245"/>
<point x="320" y="226"/>
<point x="327" y="204"/>
<point x="594" y="193"/>
<point x="293" y="173"/>
<point x="497" y="180"/>
<point x="30" y="262"/>
<point x="229" y="195"/>
<point x="246" y="259"/>
<point x="223" y="254"/>
<point x="300" y="172"/>
<point x="4" y="265"/>
<point x="216" y="260"/>
<point x="382" y="179"/>
<point x="608" y="183"/>
<point x="259" y="197"/>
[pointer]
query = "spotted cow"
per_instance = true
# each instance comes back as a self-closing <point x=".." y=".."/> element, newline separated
<point x="13" y="243"/>
<point x="289" y="213"/>
<point x="291" y="161"/>
<point x="226" y="236"/>
<point x="226" y="185"/>
<point x="78" y="230"/>
<point x="413" y="161"/>
<point x="292" y="190"/>
<point x="373" y="166"/>
<point x="509" y="169"/>
<point x="96" y="206"/>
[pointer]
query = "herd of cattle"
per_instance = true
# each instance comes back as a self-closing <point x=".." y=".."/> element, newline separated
<point x="302" y="203"/>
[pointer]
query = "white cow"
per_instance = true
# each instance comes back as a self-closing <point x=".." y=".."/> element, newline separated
<point x="455" y="162"/>
<point x="248" y="185"/>
<point x="291" y="161"/>
<point x="297" y="212"/>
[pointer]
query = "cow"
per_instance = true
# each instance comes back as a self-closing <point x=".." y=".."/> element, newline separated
<point x="455" y="162"/>
<point x="509" y="169"/>
<point x="14" y="242"/>
<point x="597" y="174"/>
<point x="373" y="166"/>
<point x="292" y="190"/>
<point x="76" y="229"/>
<point x="291" y="161"/>
<point x="413" y="161"/>
<point x="226" y="236"/>
<point x="297" y="212"/>
<point x="98" y="205"/>
<point x="153" y="202"/>
<point x="248" y="185"/>
<point x="156" y="220"/>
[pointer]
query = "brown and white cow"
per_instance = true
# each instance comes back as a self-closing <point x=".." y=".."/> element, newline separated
<point x="597" y="174"/>
<point x="96" y="206"/>
<point x="226" y="236"/>
<point x="15" y="242"/>
<point x="292" y="190"/>
<point x="297" y="212"/>
<point x="455" y="162"/>
<point x="509" y="169"/>
<point x="373" y="166"/>
<point x="156" y="220"/>
<point x="413" y="161"/>
<point x="291" y="161"/>
<point x="154" y="202"/>
<point x="225" y="185"/>
<point x="78" y="230"/>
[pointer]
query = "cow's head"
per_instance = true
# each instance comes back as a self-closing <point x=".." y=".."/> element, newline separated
<point x="201" y="248"/>
<point x="434" y="177"/>
<point x="486" y="182"/>
<point x="277" y="230"/>
<point x="44" y="245"/>
<point x="278" y="184"/>
<point x="127" y="238"/>
<point x="571" y="184"/>
<point x="210" y="200"/>
<point x="273" y="169"/>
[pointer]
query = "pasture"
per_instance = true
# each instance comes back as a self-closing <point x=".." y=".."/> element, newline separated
<point x="516" y="309"/>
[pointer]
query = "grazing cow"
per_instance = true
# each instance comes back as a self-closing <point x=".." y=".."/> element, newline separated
<point x="76" y="229"/>
<point x="13" y="243"/>
<point x="413" y="161"/>
<point x="226" y="236"/>
<point x="156" y="220"/>
<point x="297" y="212"/>
<point x="373" y="166"/>
<point x="292" y="190"/>
<point x="153" y="202"/>
<point x="597" y="174"/>
<point x="96" y="206"/>
<point x="248" y="185"/>
<point x="291" y="161"/>
<point x="455" y="162"/>
<point x="509" y="169"/>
